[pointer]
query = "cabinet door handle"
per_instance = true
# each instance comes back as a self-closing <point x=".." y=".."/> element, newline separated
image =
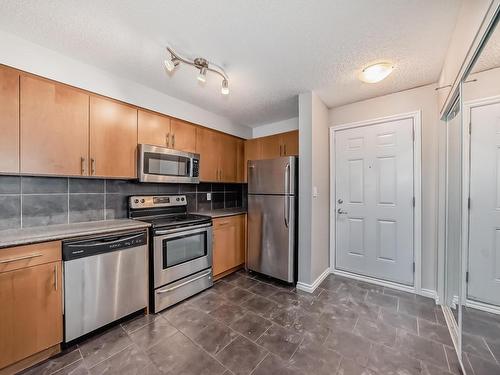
<point x="173" y="140"/>
<point x="284" y="149"/>
<point x="280" y="151"/>
<point x="10" y="260"/>
<point x="55" y="276"/>
<point x="92" y="166"/>
<point x="167" y="141"/>
<point x="82" y="165"/>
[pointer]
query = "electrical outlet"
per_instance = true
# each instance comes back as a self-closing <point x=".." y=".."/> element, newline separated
<point x="209" y="196"/>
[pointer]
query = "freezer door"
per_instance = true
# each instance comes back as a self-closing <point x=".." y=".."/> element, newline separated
<point x="272" y="176"/>
<point x="271" y="230"/>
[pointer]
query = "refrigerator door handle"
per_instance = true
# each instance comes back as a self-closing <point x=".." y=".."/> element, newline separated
<point x="287" y="191"/>
<point x="287" y="179"/>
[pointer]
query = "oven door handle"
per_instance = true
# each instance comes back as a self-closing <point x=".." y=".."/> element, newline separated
<point x="183" y="229"/>
<point x="161" y="291"/>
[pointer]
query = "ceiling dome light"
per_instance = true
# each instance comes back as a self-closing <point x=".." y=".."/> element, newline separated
<point x="376" y="72"/>
<point x="170" y="64"/>
<point x="225" y="87"/>
<point x="202" y="75"/>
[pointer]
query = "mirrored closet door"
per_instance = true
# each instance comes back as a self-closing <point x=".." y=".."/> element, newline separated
<point x="480" y="255"/>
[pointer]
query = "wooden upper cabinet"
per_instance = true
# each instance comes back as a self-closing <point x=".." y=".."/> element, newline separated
<point x="113" y="138"/>
<point x="290" y="142"/>
<point x="207" y="143"/>
<point x="218" y="156"/>
<point x="54" y="128"/>
<point x="228" y="158"/>
<point x="240" y="157"/>
<point x="153" y="129"/>
<point x="9" y="120"/>
<point x="271" y="147"/>
<point x="183" y="136"/>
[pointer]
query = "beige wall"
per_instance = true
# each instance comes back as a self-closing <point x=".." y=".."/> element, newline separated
<point x="424" y="99"/>
<point x="314" y="232"/>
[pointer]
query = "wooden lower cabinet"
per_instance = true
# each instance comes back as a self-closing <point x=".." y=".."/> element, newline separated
<point x="229" y="244"/>
<point x="31" y="302"/>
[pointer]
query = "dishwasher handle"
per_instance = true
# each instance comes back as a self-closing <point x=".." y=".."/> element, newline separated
<point x="99" y="245"/>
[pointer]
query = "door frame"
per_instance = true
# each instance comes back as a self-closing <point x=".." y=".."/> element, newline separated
<point x="466" y="160"/>
<point x="416" y="117"/>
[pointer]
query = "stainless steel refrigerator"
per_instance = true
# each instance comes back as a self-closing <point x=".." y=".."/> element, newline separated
<point x="272" y="208"/>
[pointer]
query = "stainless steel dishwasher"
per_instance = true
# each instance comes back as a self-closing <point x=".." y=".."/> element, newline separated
<point x="105" y="279"/>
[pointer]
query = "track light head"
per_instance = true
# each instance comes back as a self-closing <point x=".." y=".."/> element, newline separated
<point x="202" y="75"/>
<point x="225" y="87"/>
<point x="171" y="63"/>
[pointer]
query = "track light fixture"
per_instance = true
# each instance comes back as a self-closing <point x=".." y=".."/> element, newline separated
<point x="199" y="63"/>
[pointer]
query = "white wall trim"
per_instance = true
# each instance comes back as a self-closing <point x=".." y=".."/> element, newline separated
<point x="309" y="288"/>
<point x="416" y="116"/>
<point x="466" y="159"/>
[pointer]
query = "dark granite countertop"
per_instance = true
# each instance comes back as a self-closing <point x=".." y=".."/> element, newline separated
<point x="25" y="236"/>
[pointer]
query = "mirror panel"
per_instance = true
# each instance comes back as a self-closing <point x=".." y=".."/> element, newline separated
<point x="480" y="297"/>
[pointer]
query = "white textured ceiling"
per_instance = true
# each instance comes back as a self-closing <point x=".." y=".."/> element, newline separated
<point x="271" y="49"/>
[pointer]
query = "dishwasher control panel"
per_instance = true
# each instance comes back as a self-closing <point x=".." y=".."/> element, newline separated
<point x="105" y="244"/>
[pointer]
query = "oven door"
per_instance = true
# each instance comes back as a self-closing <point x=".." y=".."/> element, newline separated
<point x="160" y="164"/>
<point x="181" y="252"/>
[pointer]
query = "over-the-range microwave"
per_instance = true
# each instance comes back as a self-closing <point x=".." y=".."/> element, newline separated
<point x="161" y="164"/>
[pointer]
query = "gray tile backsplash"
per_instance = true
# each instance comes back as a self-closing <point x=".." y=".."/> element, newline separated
<point x="35" y="201"/>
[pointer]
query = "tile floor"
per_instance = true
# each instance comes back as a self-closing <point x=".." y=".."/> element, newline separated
<point x="481" y="342"/>
<point x="247" y="324"/>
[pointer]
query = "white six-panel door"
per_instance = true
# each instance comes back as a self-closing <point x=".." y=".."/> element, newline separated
<point x="484" y="224"/>
<point x="374" y="200"/>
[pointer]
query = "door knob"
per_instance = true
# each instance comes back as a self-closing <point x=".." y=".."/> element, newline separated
<point x="340" y="201"/>
<point x="340" y="212"/>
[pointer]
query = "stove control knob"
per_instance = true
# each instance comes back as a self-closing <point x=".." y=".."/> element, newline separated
<point x="177" y="199"/>
<point x="182" y="199"/>
<point x="136" y="200"/>
<point x="142" y="200"/>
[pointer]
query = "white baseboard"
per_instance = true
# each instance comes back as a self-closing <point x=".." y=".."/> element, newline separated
<point x="483" y="306"/>
<point x="430" y="293"/>
<point x="309" y="288"/>
<point x="405" y="288"/>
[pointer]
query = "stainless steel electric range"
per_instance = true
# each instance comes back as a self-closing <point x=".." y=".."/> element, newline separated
<point x="180" y="255"/>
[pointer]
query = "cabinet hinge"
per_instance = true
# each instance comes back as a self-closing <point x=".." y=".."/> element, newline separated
<point x="467" y="276"/>
<point x="413" y="267"/>
<point x="470" y="128"/>
<point x="468" y="203"/>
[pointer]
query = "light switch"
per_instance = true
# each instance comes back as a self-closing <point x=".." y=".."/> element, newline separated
<point x="209" y="196"/>
<point x="315" y="192"/>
